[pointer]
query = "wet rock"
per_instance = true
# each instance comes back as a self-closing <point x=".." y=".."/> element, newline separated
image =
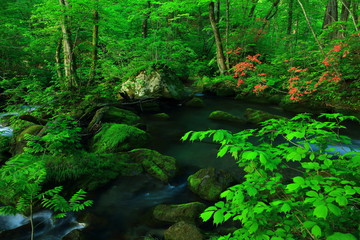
<point x="118" y="115"/>
<point x="195" y="102"/>
<point x="224" y="116"/>
<point x="157" y="165"/>
<point x="188" y="212"/>
<point x="155" y="83"/>
<point x="117" y="138"/>
<point x="183" y="231"/>
<point x="161" y="116"/>
<point x="20" y="140"/>
<point x="258" y="116"/>
<point x="209" y="183"/>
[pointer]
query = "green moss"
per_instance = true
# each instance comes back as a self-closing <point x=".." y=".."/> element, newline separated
<point x="161" y="116"/>
<point x="195" y="102"/>
<point x="118" y="137"/>
<point x="32" y="130"/>
<point x="224" y="116"/>
<point x="118" y="115"/>
<point x="258" y="116"/>
<point x="90" y="170"/>
<point x="157" y="165"/>
<point x="188" y="212"/>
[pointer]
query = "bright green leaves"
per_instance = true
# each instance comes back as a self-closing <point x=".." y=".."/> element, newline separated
<point x="266" y="203"/>
<point x="341" y="236"/>
<point x="321" y="211"/>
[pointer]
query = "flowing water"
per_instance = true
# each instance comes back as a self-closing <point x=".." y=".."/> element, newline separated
<point x="120" y="211"/>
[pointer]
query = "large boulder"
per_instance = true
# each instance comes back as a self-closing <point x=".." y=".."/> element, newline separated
<point x="183" y="231"/>
<point x="117" y="138"/>
<point x="225" y="116"/>
<point x="188" y="212"/>
<point x="155" y="83"/>
<point x="157" y="165"/>
<point x="209" y="183"/>
<point x="258" y="116"/>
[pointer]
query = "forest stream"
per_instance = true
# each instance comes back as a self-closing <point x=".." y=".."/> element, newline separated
<point x="120" y="210"/>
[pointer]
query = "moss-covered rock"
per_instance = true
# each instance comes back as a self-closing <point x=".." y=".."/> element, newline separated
<point x="188" y="212"/>
<point x="118" y="115"/>
<point x="224" y="116"/>
<point x="258" y="116"/>
<point x="161" y="116"/>
<point x="183" y="231"/>
<point x="117" y="138"/>
<point x="302" y="107"/>
<point x="21" y="142"/>
<point x="209" y="183"/>
<point x="90" y="170"/>
<point x="157" y="165"/>
<point x="195" y="102"/>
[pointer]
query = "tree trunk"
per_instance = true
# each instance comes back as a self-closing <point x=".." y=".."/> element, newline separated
<point x="331" y="13"/>
<point x="253" y="7"/>
<point x="290" y="16"/>
<point x="95" y="43"/>
<point x="145" y="22"/>
<point x="355" y="7"/>
<point x="227" y="32"/>
<point x="58" y="58"/>
<point x="219" y="48"/>
<point x="71" y="80"/>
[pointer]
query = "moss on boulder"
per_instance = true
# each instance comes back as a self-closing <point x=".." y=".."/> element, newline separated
<point x="21" y="142"/>
<point x="157" y="165"/>
<point x="224" y="116"/>
<point x="118" y="115"/>
<point x="161" y="116"/>
<point x="195" y="102"/>
<point x="188" y="212"/>
<point x="209" y="183"/>
<point x="258" y="116"/>
<point x="117" y="138"/>
<point x="90" y="171"/>
<point x="183" y="231"/>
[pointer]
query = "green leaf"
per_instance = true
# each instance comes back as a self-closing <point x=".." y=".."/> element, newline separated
<point x="254" y="227"/>
<point x="309" y="224"/>
<point x="321" y="211"/>
<point x="249" y="155"/>
<point x="285" y="208"/>
<point x="205" y="216"/>
<point x="299" y="180"/>
<point x="341" y="236"/>
<point x="312" y="194"/>
<point x="316" y="230"/>
<point x="252" y="191"/>
<point x="292" y="186"/>
<point x="334" y="209"/>
<point x="341" y="200"/>
<point x="219" y="217"/>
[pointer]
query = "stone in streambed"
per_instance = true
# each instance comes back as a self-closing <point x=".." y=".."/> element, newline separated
<point x="258" y="116"/>
<point x="161" y="116"/>
<point x="157" y="165"/>
<point x="20" y="140"/>
<point x="195" y="102"/>
<point x="224" y="116"/>
<point x="188" y="212"/>
<point x="209" y="183"/>
<point x="183" y="231"/>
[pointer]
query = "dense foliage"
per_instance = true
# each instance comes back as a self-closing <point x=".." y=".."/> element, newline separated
<point x="299" y="183"/>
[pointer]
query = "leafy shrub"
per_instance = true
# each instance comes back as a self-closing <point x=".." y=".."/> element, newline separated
<point x="319" y="200"/>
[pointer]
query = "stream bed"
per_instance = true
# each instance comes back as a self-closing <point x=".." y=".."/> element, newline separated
<point x="121" y="210"/>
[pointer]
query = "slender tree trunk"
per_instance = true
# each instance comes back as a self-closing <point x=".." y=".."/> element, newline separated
<point x="311" y="29"/>
<point x="58" y="58"/>
<point x="219" y="48"/>
<point x="227" y="33"/>
<point x="145" y="23"/>
<point x="290" y="17"/>
<point x="355" y="7"/>
<point x="95" y="43"/>
<point x="71" y="80"/>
